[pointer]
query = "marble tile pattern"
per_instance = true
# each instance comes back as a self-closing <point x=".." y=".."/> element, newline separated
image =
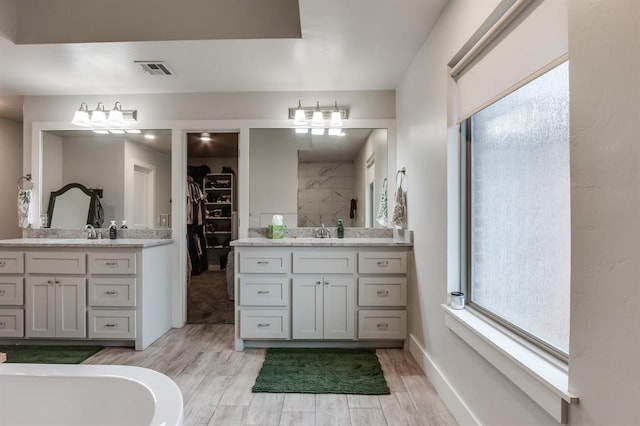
<point x="306" y="237"/>
<point x="311" y="232"/>
<point x="83" y="243"/>
<point x="325" y="190"/>
<point x="78" y="233"/>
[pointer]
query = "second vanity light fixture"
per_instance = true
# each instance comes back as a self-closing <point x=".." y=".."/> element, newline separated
<point x="99" y="117"/>
<point x="318" y="118"/>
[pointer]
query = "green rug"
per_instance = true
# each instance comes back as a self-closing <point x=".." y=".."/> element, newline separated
<point x="41" y="354"/>
<point x="349" y="371"/>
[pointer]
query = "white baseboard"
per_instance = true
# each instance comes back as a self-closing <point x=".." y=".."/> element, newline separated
<point x="447" y="393"/>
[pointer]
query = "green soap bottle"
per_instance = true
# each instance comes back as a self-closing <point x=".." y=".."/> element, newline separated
<point x="340" y="229"/>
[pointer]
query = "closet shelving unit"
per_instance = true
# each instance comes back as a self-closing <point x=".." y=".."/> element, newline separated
<point x="218" y="190"/>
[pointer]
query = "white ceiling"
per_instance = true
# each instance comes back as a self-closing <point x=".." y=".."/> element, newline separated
<point x="345" y="45"/>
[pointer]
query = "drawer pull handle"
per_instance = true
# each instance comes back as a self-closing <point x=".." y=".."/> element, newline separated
<point x="111" y="264"/>
<point x="383" y="293"/>
<point x="263" y="262"/>
<point x="3" y="324"/>
<point x="383" y="263"/>
<point x="264" y="324"/>
<point x="264" y="291"/>
<point x="111" y="325"/>
<point x="383" y="326"/>
<point x="2" y="263"/>
<point x="111" y="293"/>
<point x="2" y="292"/>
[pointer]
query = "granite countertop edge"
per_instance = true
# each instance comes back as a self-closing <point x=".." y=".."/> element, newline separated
<point x="82" y="243"/>
<point x="319" y="242"/>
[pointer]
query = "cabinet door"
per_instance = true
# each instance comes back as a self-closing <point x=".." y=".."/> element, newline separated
<point x="307" y="308"/>
<point x="71" y="296"/>
<point x="40" y="307"/>
<point x="339" y="307"/>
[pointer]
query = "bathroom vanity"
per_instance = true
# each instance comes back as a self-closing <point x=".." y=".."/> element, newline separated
<point x="321" y="292"/>
<point x="74" y="289"/>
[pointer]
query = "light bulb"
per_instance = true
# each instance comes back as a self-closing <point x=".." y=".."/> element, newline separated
<point x="317" y="119"/>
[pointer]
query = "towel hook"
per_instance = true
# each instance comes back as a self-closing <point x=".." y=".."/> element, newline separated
<point x="25" y="183"/>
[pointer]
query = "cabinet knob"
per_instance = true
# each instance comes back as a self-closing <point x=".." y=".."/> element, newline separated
<point x="49" y="282"/>
<point x="383" y="293"/>
<point x="57" y="282"/>
<point x="2" y="292"/>
<point x="326" y="283"/>
<point x="3" y="324"/>
<point x="2" y="263"/>
<point x="383" y="263"/>
<point x="318" y="282"/>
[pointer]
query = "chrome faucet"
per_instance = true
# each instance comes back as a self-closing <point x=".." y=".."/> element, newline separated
<point x="91" y="232"/>
<point x="323" y="232"/>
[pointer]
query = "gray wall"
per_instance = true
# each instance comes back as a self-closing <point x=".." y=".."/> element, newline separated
<point x="10" y="172"/>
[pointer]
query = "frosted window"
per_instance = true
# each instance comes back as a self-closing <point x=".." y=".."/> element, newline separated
<point x="520" y="208"/>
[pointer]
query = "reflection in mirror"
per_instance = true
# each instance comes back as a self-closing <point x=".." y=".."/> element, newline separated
<point x="73" y="206"/>
<point x="316" y="179"/>
<point x="133" y="170"/>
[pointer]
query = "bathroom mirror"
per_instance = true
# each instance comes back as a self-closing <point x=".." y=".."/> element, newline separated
<point x="73" y="206"/>
<point x="132" y="169"/>
<point x="317" y="179"/>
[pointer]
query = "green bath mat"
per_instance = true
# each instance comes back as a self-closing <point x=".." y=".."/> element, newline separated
<point x="350" y="371"/>
<point x="41" y="354"/>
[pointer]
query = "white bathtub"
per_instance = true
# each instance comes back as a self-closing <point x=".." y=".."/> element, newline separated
<point x="48" y="394"/>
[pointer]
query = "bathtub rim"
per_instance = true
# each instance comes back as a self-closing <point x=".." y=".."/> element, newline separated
<point x="169" y="405"/>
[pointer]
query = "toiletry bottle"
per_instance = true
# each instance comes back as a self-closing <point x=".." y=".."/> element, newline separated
<point x="340" y="229"/>
<point x="124" y="225"/>
<point x="113" y="230"/>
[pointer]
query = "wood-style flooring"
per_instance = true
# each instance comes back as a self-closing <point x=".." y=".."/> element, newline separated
<point x="216" y="385"/>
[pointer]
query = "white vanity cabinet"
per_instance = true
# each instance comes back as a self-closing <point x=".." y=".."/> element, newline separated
<point x="324" y="295"/>
<point x="323" y="307"/>
<point x="11" y="294"/>
<point x="86" y="290"/>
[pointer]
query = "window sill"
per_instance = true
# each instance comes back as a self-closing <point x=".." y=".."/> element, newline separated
<point x="541" y="379"/>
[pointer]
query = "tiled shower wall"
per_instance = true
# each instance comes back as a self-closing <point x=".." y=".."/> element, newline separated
<point x="325" y="191"/>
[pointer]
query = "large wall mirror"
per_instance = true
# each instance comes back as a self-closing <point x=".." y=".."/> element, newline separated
<point x="132" y="170"/>
<point x="317" y="179"/>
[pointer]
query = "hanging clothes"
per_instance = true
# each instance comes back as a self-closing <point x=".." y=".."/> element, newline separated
<point x="383" y="212"/>
<point x="399" y="218"/>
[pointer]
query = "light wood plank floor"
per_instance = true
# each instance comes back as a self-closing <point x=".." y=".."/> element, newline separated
<point x="216" y="385"/>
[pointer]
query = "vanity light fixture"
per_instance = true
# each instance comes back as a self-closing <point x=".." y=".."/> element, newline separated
<point x="205" y="137"/>
<point x="117" y="131"/>
<point x="133" y="131"/>
<point x="101" y="132"/>
<point x="318" y="116"/>
<point x="149" y="136"/>
<point x="99" y="117"/>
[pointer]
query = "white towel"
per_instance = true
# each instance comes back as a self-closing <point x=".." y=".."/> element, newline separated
<point x="24" y="207"/>
<point x="399" y="218"/>
<point x="383" y="209"/>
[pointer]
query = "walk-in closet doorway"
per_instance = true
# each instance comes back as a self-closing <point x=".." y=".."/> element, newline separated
<point x="212" y="223"/>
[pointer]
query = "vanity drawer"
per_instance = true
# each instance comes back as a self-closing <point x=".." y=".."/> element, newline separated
<point x="11" y="322"/>
<point x="112" y="263"/>
<point x="265" y="262"/>
<point x="112" y="324"/>
<point x="385" y="291"/>
<point x="11" y="262"/>
<point x="387" y="262"/>
<point x="11" y="290"/>
<point x="261" y="291"/>
<point x="112" y="292"/>
<point x="56" y="263"/>
<point x="330" y="262"/>
<point x="264" y="324"/>
<point x="378" y="324"/>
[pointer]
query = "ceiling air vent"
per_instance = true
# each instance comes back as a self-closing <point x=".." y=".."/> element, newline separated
<point x="155" y="67"/>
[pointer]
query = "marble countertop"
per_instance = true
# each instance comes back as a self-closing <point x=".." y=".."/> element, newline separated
<point x="83" y="243"/>
<point x="320" y="242"/>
